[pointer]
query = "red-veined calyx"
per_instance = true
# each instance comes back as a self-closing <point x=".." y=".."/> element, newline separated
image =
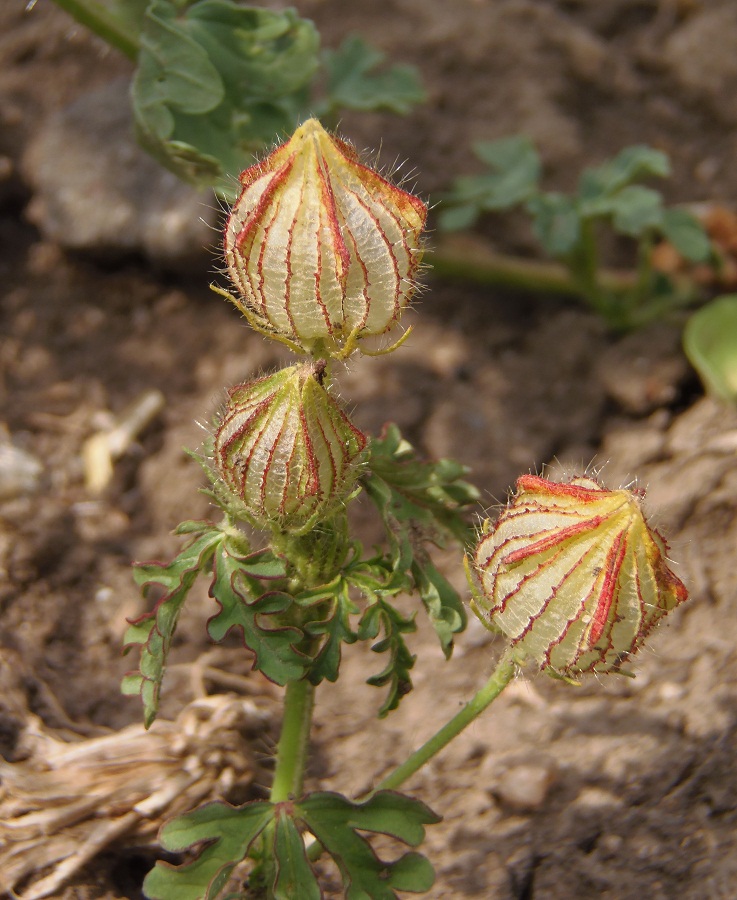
<point x="573" y="575"/>
<point x="287" y="450"/>
<point x="323" y="251"/>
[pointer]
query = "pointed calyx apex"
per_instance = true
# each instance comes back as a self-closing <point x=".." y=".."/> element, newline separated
<point x="322" y="250"/>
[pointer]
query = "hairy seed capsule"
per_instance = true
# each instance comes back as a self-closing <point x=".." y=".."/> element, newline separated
<point x="323" y="251"/>
<point x="573" y="575"/>
<point x="287" y="450"/>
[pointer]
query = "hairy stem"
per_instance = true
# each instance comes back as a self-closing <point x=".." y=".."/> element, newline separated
<point x="291" y="752"/>
<point x="104" y="24"/>
<point x="500" y="678"/>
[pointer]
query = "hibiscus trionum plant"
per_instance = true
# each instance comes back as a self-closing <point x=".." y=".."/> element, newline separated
<point x="323" y="254"/>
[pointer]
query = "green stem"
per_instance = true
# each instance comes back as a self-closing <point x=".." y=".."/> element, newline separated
<point x="589" y="256"/>
<point x="500" y="678"/>
<point x="644" y="267"/>
<point x="468" y="258"/>
<point x="104" y="24"/>
<point x="291" y="752"/>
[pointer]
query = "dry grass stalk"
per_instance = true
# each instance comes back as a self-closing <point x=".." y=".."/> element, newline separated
<point x="67" y="801"/>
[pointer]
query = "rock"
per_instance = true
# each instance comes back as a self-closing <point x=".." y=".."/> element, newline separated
<point x="96" y="191"/>
<point x="700" y="55"/>
<point x="525" y="787"/>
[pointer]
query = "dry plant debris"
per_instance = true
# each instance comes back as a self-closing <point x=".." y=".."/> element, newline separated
<point x="69" y="800"/>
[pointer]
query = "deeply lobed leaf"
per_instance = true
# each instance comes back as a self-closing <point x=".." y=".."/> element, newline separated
<point x="260" y="616"/>
<point x="154" y="631"/>
<point x="226" y="835"/>
<point x="336" y="821"/>
<point x="382" y="616"/>
<point x="421" y="503"/>
<point x="240" y="581"/>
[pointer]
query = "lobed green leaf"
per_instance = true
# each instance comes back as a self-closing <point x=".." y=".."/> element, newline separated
<point x="687" y="234"/>
<point x="260" y="616"/>
<point x="216" y="81"/>
<point x="334" y="629"/>
<point x="382" y="616"/>
<point x="154" y="631"/>
<point x="227" y="833"/>
<point x="630" y="164"/>
<point x="556" y="223"/>
<point x="354" y="83"/>
<point x="431" y="496"/>
<point x="420" y="503"/>
<point x="445" y="608"/>
<point x="336" y="821"/>
<point x="294" y="874"/>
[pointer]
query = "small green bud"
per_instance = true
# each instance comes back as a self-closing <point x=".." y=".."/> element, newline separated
<point x="323" y="251"/>
<point x="573" y="575"/>
<point x="287" y="450"/>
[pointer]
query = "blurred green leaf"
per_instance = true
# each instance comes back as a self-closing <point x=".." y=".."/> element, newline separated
<point x="354" y="83"/>
<point x="515" y="173"/>
<point x="217" y="81"/>
<point x="687" y="234"/>
<point x="260" y="54"/>
<point x="636" y="209"/>
<point x="630" y="164"/>
<point x="556" y="223"/>
<point x="710" y="342"/>
<point x="513" y="157"/>
<point x="174" y="73"/>
<point x="457" y="218"/>
<point x="129" y="12"/>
